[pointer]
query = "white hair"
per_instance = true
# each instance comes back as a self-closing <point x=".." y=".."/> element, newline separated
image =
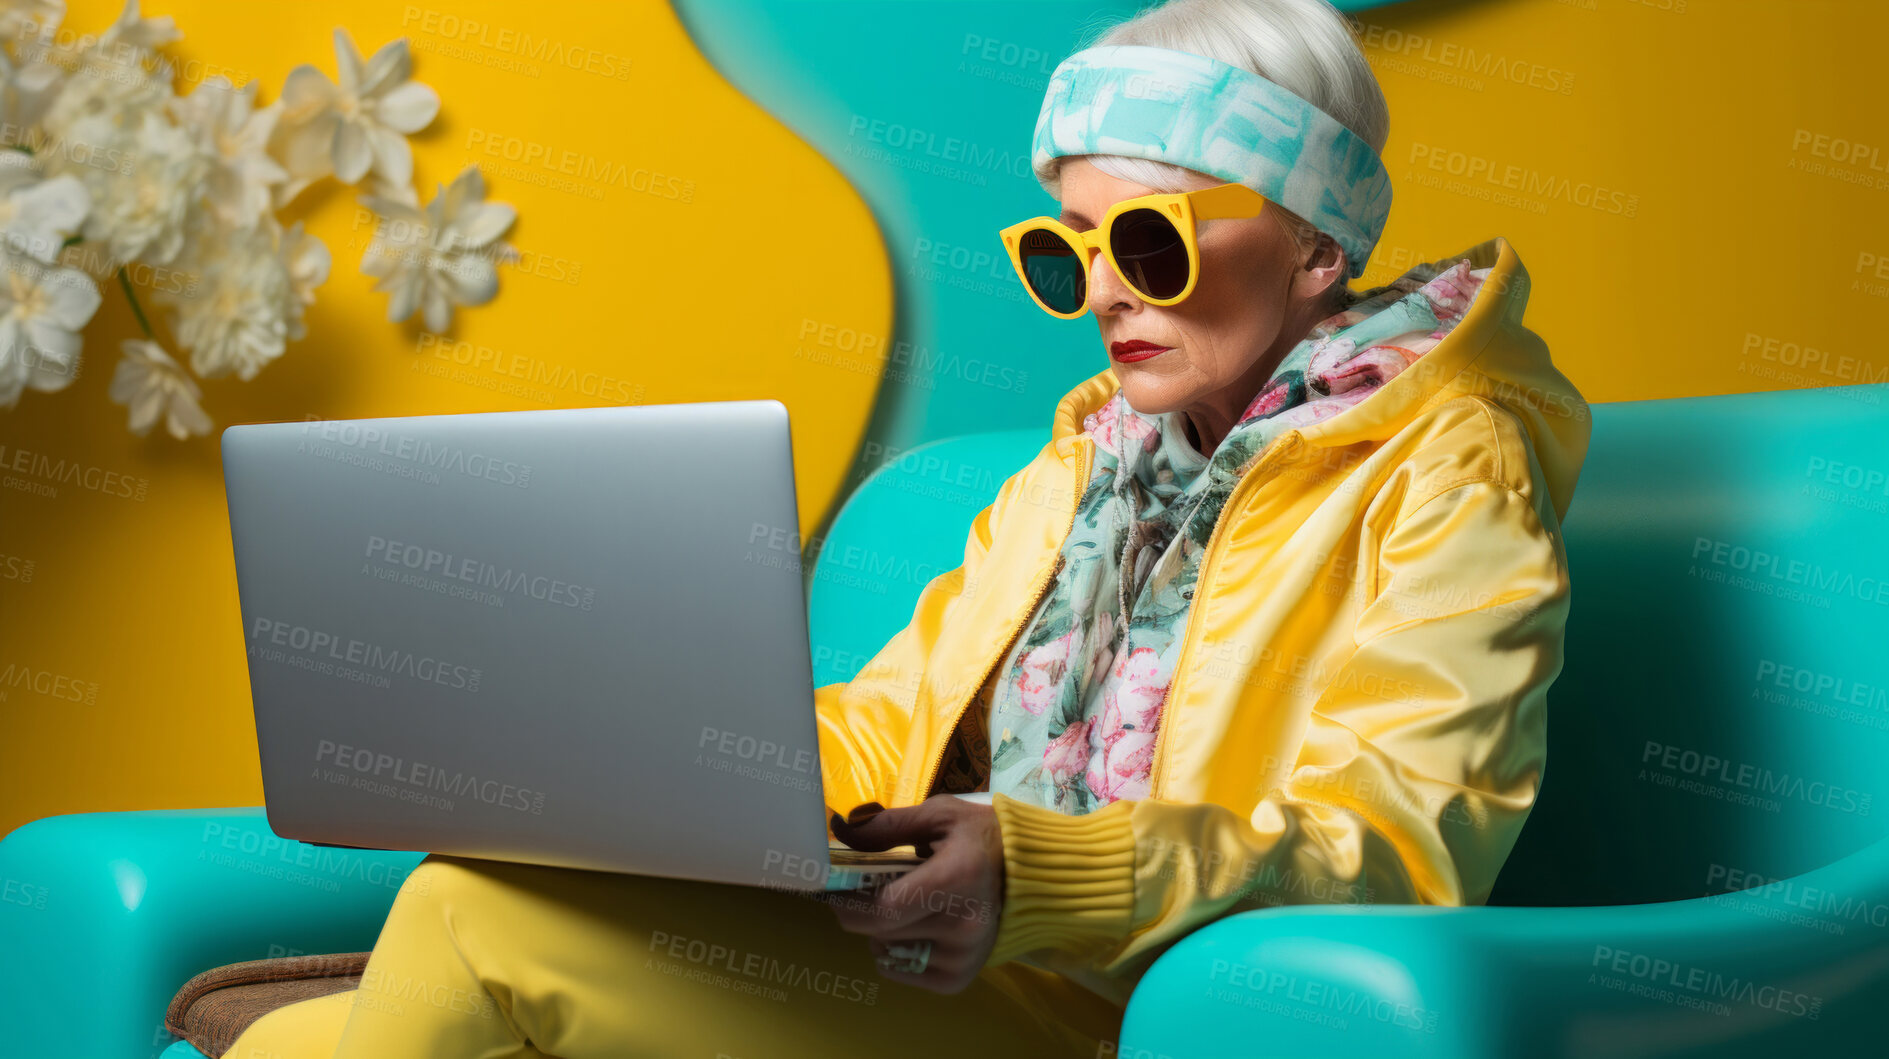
<point x="1305" y="46"/>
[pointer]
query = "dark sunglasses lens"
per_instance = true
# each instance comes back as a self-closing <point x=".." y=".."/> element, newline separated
<point x="1054" y="270"/>
<point x="1151" y="253"/>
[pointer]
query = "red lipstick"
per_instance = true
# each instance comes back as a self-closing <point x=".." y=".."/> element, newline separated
<point x="1129" y="352"/>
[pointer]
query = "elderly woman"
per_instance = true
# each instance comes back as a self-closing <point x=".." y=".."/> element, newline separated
<point x="1270" y="619"/>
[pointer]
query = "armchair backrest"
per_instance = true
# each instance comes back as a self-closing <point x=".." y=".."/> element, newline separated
<point x="1723" y="712"/>
<point x="901" y="528"/>
<point x="1724" y="709"/>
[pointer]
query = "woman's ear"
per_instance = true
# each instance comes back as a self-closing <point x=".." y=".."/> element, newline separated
<point x="1323" y="267"/>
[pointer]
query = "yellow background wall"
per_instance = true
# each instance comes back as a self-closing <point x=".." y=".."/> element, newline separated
<point x="139" y="598"/>
<point x="1724" y="123"/>
<point x="1737" y="153"/>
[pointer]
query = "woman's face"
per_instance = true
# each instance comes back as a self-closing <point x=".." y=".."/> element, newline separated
<point x="1254" y="300"/>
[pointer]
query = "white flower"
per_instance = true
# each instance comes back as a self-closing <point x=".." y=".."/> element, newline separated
<point x="25" y="18"/>
<point x="111" y="129"/>
<point x="134" y="31"/>
<point x="441" y="257"/>
<point x="114" y="81"/>
<point x="37" y="215"/>
<point x="233" y="137"/>
<point x="140" y="207"/>
<point x="150" y="384"/>
<point x="307" y="261"/>
<point x="26" y="89"/>
<point x="357" y="127"/>
<point x="42" y="309"/>
<point x="252" y="286"/>
<point x="380" y="187"/>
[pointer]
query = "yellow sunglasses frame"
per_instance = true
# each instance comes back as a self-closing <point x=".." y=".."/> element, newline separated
<point x="1183" y="209"/>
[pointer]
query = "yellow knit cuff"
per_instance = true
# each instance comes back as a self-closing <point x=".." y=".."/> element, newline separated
<point x="1069" y="881"/>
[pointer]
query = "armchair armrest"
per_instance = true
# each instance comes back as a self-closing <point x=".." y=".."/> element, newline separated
<point x="1796" y="967"/>
<point x="104" y="915"/>
<point x="1330" y="981"/>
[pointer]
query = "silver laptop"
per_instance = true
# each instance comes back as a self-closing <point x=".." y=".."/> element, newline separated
<point x="569" y="637"/>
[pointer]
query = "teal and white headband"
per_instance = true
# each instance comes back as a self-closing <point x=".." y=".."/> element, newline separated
<point x="1203" y="114"/>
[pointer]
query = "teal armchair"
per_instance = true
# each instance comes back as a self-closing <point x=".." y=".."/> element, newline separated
<point x="1706" y="872"/>
<point x="1721" y="724"/>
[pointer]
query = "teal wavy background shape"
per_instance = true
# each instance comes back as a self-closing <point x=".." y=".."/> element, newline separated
<point x="927" y="107"/>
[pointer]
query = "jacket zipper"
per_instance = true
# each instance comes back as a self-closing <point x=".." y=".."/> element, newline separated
<point x="937" y="756"/>
<point x="1158" y="770"/>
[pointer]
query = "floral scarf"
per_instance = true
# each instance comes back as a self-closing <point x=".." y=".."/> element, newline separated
<point x="1072" y="720"/>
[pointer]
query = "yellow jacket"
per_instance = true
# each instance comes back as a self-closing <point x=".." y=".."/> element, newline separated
<point x="1358" y="709"/>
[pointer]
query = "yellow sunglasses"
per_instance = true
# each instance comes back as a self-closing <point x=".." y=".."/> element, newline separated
<point x="1148" y="240"/>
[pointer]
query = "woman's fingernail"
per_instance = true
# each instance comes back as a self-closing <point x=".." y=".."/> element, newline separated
<point x="862" y="813"/>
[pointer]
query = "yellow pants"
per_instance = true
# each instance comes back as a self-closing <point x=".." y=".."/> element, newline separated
<point x="486" y="960"/>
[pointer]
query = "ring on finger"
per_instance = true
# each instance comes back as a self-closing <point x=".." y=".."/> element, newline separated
<point x="907" y="957"/>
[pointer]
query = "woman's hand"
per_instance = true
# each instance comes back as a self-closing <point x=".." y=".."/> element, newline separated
<point x="952" y="900"/>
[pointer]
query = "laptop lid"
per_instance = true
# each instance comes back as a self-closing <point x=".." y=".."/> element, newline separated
<point x="566" y="637"/>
